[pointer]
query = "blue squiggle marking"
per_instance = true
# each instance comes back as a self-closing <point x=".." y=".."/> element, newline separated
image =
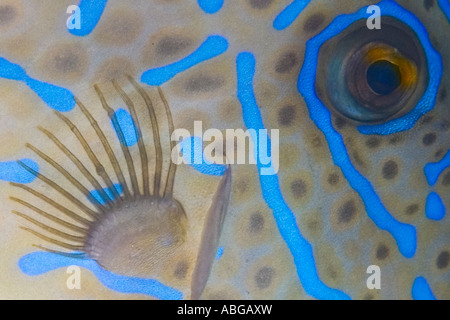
<point x="289" y="14"/>
<point x="37" y="263"/>
<point x="210" y="6"/>
<point x="55" y="97"/>
<point x="421" y="290"/>
<point x="434" y="207"/>
<point x="91" y="12"/>
<point x="96" y="195"/>
<point x="192" y="149"/>
<point x="212" y="47"/>
<point x="13" y="172"/>
<point x="123" y="118"/>
<point x="434" y="65"/>
<point x="434" y="170"/>
<point x="404" y="234"/>
<point x="445" y="7"/>
<point x="219" y="253"/>
<point x="285" y="219"/>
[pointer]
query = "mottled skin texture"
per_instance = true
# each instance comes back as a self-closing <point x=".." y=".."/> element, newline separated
<point x="256" y="262"/>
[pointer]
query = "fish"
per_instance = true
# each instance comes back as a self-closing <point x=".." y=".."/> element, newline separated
<point x="356" y="209"/>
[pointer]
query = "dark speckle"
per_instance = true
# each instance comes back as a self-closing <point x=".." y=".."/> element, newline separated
<point x="395" y="139"/>
<point x="260" y="4"/>
<point x="286" y="115"/>
<point x="346" y="212"/>
<point x="411" y="209"/>
<point x="313" y="22"/>
<point x="428" y="4"/>
<point x="286" y="62"/>
<point x="446" y="179"/>
<point x="171" y="45"/>
<point x="442" y="95"/>
<point x="264" y="277"/>
<point x="390" y="170"/>
<point x="242" y="186"/>
<point x="442" y="260"/>
<point x="382" y="252"/>
<point x="368" y="297"/>
<point x="203" y="83"/>
<point x="7" y="14"/>
<point x="256" y="222"/>
<point x="339" y="122"/>
<point x="438" y="154"/>
<point x="298" y="188"/>
<point x="181" y="270"/>
<point x="429" y="139"/>
<point x="66" y="62"/>
<point x="373" y="142"/>
<point x="426" y="119"/>
<point x="333" y="179"/>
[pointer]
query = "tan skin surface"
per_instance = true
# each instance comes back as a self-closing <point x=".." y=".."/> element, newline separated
<point x="132" y="38"/>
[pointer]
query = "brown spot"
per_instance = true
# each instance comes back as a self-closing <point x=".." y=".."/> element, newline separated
<point x="347" y="212"/>
<point x="298" y="188"/>
<point x="442" y="95"/>
<point x="260" y="4"/>
<point x="171" y="45"/>
<point x="368" y="296"/>
<point x="313" y="22"/>
<point x="65" y="61"/>
<point x="426" y="119"/>
<point x="382" y="252"/>
<point x="373" y="142"/>
<point x="429" y="139"/>
<point x="286" y="62"/>
<point x="395" y="139"/>
<point x="7" y="14"/>
<point x="446" y="179"/>
<point x="181" y="270"/>
<point x="390" y="170"/>
<point x="256" y="222"/>
<point x="203" y="83"/>
<point x="411" y="209"/>
<point x="121" y="27"/>
<point x="333" y="179"/>
<point x="340" y="122"/>
<point x="241" y="186"/>
<point x="438" y="154"/>
<point x="428" y="4"/>
<point x="264" y="277"/>
<point x="442" y="260"/>
<point x="286" y="115"/>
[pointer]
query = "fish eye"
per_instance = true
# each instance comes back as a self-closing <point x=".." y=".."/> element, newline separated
<point x="372" y="75"/>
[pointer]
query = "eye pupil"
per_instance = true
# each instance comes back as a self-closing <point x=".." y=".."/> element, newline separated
<point x="383" y="77"/>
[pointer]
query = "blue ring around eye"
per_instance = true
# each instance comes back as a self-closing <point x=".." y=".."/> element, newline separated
<point x="434" y="64"/>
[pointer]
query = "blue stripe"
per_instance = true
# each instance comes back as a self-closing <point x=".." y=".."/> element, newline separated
<point x="289" y="14"/>
<point x="212" y="47"/>
<point x="91" y="12"/>
<point x="445" y="7"/>
<point x="285" y="219"/>
<point x="433" y="170"/>
<point x="421" y="290"/>
<point x="55" y="97"/>
<point x="37" y="263"/>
